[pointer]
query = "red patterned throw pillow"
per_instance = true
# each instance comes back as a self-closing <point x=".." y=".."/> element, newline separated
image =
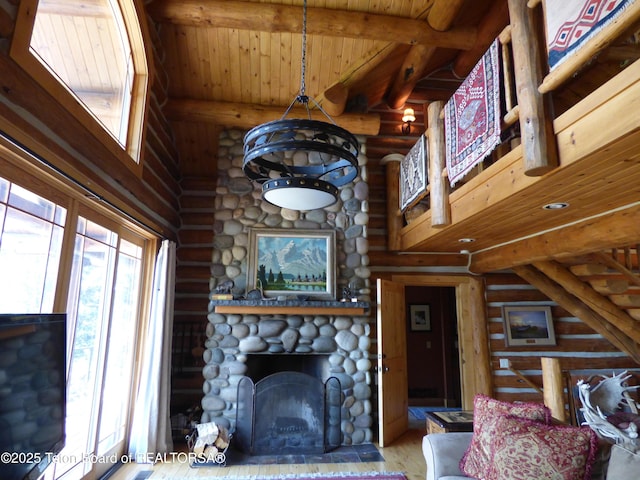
<point x="476" y="461"/>
<point x="524" y="449"/>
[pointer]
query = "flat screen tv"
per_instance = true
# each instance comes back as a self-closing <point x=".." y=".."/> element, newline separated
<point x="32" y="393"/>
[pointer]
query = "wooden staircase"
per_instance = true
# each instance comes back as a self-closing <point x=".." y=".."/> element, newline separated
<point x="602" y="289"/>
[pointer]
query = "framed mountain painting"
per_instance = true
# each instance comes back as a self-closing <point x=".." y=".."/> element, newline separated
<point x="292" y="263"/>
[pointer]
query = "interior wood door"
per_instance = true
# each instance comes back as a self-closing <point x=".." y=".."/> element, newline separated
<point x="393" y="394"/>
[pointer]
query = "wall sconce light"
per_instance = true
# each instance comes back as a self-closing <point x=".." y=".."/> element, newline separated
<point x="408" y="117"/>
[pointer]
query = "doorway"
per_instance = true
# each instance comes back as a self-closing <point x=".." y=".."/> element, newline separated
<point x="433" y="366"/>
<point x="473" y="345"/>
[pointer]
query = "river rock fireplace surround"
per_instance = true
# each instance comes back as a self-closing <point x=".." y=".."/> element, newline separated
<point x="327" y="329"/>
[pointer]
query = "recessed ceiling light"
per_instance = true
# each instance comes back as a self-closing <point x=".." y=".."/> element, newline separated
<point x="466" y="240"/>
<point x="555" y="206"/>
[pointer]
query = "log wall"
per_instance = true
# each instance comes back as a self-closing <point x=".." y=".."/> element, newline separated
<point x="193" y="273"/>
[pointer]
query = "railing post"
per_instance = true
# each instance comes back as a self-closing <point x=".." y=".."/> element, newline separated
<point x="539" y="150"/>
<point x="439" y="190"/>
<point x="394" y="215"/>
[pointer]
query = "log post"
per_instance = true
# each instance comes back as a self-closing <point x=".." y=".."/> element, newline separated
<point x="474" y="343"/>
<point x="439" y="191"/>
<point x="539" y="150"/>
<point x="394" y="215"/>
<point x="553" y="387"/>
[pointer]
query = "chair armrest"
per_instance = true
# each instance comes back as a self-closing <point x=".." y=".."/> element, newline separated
<point x="443" y="452"/>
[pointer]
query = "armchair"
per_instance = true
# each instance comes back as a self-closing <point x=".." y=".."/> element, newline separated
<point x="442" y="453"/>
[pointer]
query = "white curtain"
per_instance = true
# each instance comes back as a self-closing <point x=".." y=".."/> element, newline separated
<point x="151" y="426"/>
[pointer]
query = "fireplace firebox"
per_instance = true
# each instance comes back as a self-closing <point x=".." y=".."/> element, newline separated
<point x="288" y="413"/>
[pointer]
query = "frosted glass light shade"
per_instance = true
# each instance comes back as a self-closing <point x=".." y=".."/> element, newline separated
<point x="299" y="194"/>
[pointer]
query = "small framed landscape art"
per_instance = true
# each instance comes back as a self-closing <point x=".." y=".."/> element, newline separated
<point x="420" y="318"/>
<point x="528" y="325"/>
<point x="292" y="263"/>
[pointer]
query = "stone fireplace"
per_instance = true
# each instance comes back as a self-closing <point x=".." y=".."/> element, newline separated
<point x="286" y="341"/>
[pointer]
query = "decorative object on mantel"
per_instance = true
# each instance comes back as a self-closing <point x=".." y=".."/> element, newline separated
<point x="348" y="295"/>
<point x="270" y="148"/>
<point x="610" y="411"/>
<point x="224" y="291"/>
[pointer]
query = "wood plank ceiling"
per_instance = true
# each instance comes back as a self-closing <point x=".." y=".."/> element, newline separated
<point x="238" y="63"/>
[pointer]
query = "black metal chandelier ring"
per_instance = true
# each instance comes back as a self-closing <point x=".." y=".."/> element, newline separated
<point x="334" y="143"/>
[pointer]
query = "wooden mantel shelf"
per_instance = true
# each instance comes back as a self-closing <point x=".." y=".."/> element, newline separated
<point x="291" y="307"/>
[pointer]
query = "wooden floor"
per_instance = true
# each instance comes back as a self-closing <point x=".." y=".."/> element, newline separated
<point x="404" y="455"/>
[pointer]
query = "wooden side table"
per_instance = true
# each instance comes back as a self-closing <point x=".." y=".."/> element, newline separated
<point x="449" y="421"/>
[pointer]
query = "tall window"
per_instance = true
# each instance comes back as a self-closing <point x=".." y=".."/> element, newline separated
<point x="103" y="306"/>
<point x="94" y="53"/>
<point x="98" y="264"/>
<point x="31" y="230"/>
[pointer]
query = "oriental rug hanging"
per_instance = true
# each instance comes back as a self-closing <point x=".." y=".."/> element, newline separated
<point x="472" y="116"/>
<point x="570" y="24"/>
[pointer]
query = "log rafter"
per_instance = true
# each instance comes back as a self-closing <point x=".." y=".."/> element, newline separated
<point x="244" y="115"/>
<point x="320" y="21"/>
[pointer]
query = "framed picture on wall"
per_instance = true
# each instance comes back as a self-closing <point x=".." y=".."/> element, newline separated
<point x="419" y="318"/>
<point x="292" y="262"/>
<point x="528" y="325"/>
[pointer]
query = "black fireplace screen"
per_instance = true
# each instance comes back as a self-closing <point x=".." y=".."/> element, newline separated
<point x="288" y="413"/>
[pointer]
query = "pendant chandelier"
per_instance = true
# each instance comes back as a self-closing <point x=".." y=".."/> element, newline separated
<point x="300" y="163"/>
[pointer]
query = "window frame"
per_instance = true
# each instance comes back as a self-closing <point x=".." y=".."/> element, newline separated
<point x="18" y="169"/>
<point x="137" y="31"/>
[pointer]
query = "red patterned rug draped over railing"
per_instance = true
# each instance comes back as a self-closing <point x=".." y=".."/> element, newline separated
<point x="472" y="117"/>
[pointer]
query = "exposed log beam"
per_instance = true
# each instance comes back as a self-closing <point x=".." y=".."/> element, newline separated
<point x="441" y="17"/>
<point x="365" y="70"/>
<point x="579" y="309"/>
<point x="335" y="99"/>
<point x="267" y="17"/>
<point x="409" y="75"/>
<point x="243" y="115"/>
<point x="615" y="229"/>
<point x="492" y="24"/>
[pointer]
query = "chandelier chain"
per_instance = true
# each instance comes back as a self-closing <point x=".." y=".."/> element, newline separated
<point x="304" y="49"/>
